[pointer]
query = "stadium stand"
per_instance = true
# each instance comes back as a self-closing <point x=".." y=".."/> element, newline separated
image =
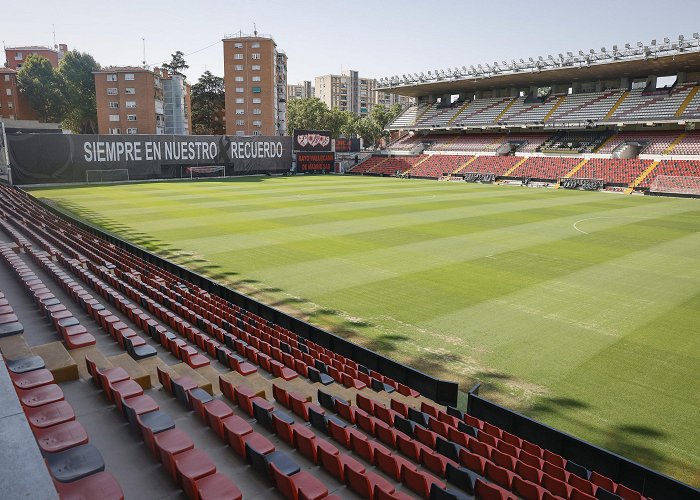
<point x="689" y="144"/>
<point x="468" y="142"/>
<point x="545" y="168"/>
<point x="585" y="107"/>
<point x="400" y="442"/>
<point x="435" y="166"/>
<point x="645" y="105"/>
<point x="689" y="169"/>
<point x="653" y="143"/>
<point x="613" y="171"/>
<point x="574" y="142"/>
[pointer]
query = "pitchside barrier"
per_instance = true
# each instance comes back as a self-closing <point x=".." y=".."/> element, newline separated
<point x="649" y="482"/>
<point x="68" y="158"/>
<point x="441" y="391"/>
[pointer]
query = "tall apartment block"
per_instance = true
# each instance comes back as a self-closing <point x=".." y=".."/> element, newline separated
<point x="13" y="104"/>
<point x="255" y="82"/>
<point x="136" y="100"/>
<point x="301" y="90"/>
<point x="349" y="92"/>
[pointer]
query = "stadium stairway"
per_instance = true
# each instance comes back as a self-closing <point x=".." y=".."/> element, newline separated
<point x="514" y="167"/>
<point x="554" y="109"/>
<point x="687" y="101"/>
<point x="465" y="165"/>
<point x="641" y="177"/>
<point x="675" y="142"/>
<point x="619" y="102"/>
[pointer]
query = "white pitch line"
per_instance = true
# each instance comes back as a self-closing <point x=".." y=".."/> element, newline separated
<point x="604" y="217"/>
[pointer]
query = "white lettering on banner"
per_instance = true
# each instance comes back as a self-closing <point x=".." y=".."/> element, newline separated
<point x="120" y="151"/>
<point x="258" y="149"/>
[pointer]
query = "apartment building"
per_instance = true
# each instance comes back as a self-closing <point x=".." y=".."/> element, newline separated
<point x="13" y="104"/>
<point x="129" y="100"/>
<point x="255" y="82"/>
<point x="350" y="92"/>
<point x="301" y="90"/>
<point x="16" y="56"/>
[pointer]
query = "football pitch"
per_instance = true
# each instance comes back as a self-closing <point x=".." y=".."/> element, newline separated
<point x="579" y="309"/>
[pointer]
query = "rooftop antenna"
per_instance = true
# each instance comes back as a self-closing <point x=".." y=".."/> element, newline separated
<point x="143" y="43"/>
<point x="53" y="27"/>
<point x="255" y="30"/>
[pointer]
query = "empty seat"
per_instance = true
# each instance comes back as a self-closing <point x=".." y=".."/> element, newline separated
<point x="98" y="486"/>
<point x="75" y="463"/>
<point x="216" y="487"/>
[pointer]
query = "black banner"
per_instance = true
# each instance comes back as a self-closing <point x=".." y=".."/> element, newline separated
<point x="46" y="158"/>
<point x="315" y="162"/>
<point x="347" y="145"/>
<point x="312" y="140"/>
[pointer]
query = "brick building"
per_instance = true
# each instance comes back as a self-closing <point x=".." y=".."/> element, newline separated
<point x="13" y="104"/>
<point x="255" y="81"/>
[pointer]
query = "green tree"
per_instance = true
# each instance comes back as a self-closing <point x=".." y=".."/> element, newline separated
<point x="337" y="122"/>
<point x="310" y="113"/>
<point x="207" y="99"/>
<point x="177" y="62"/>
<point x="78" y="89"/>
<point x="42" y="87"/>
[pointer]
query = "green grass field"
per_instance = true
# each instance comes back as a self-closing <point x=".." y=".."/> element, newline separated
<point x="579" y="309"/>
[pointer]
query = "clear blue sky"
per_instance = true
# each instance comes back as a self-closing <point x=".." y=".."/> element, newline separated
<point x="377" y="38"/>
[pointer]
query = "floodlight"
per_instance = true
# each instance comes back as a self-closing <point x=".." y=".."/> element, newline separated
<point x="540" y="58"/>
<point x="614" y="48"/>
<point x="580" y="52"/>
<point x="472" y="68"/>
<point x="464" y="68"/>
<point x="561" y="56"/>
<point x="653" y="42"/>
<point x="681" y="38"/>
<point x="504" y="63"/>
<point x="602" y="49"/>
<point x="696" y="36"/>
<point x="522" y="62"/>
<point x="531" y="60"/>
<point x="667" y="39"/>
<point x="628" y="46"/>
<point x="479" y="66"/>
<point x="640" y="44"/>
<point x="570" y="54"/>
<point x="430" y="73"/>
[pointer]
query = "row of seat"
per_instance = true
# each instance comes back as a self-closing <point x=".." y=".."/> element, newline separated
<point x="73" y="333"/>
<point x="76" y="466"/>
<point x="9" y="323"/>
<point x="248" y="444"/>
<point x="189" y="467"/>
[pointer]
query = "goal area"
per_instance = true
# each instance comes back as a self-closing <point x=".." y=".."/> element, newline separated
<point x="676" y="184"/>
<point x="206" y="172"/>
<point x="108" y="175"/>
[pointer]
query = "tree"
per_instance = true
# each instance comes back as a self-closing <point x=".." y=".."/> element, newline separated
<point x="42" y="86"/>
<point x="310" y="113"/>
<point x="176" y="63"/>
<point x="78" y="89"/>
<point x="207" y="97"/>
<point x="337" y="122"/>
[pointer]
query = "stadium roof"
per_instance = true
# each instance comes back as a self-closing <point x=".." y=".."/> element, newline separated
<point x="666" y="59"/>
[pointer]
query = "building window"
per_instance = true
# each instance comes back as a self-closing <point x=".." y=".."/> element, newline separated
<point x="240" y="132"/>
<point x="256" y="90"/>
<point x="256" y="67"/>
<point x="238" y="79"/>
<point x="255" y="45"/>
<point x="112" y="78"/>
<point x="130" y="104"/>
<point x="113" y="105"/>
<point x="257" y="123"/>
<point x="255" y="55"/>
<point x="8" y="91"/>
<point x="131" y="118"/>
<point x="111" y="91"/>
<point x="256" y="78"/>
<point x="114" y="118"/>
<point x="10" y="104"/>
<point x="18" y="56"/>
<point x="130" y="90"/>
<point x="238" y="45"/>
<point x="238" y="57"/>
<point x="257" y="111"/>
<point x="115" y="131"/>
<point x="240" y="100"/>
<point x="240" y="111"/>
<point x="7" y="78"/>
<point x="128" y="76"/>
<point x="239" y="90"/>
<point x="257" y="100"/>
<point x="240" y="123"/>
<point x="257" y="132"/>
<point x="132" y="131"/>
<point x="238" y="67"/>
